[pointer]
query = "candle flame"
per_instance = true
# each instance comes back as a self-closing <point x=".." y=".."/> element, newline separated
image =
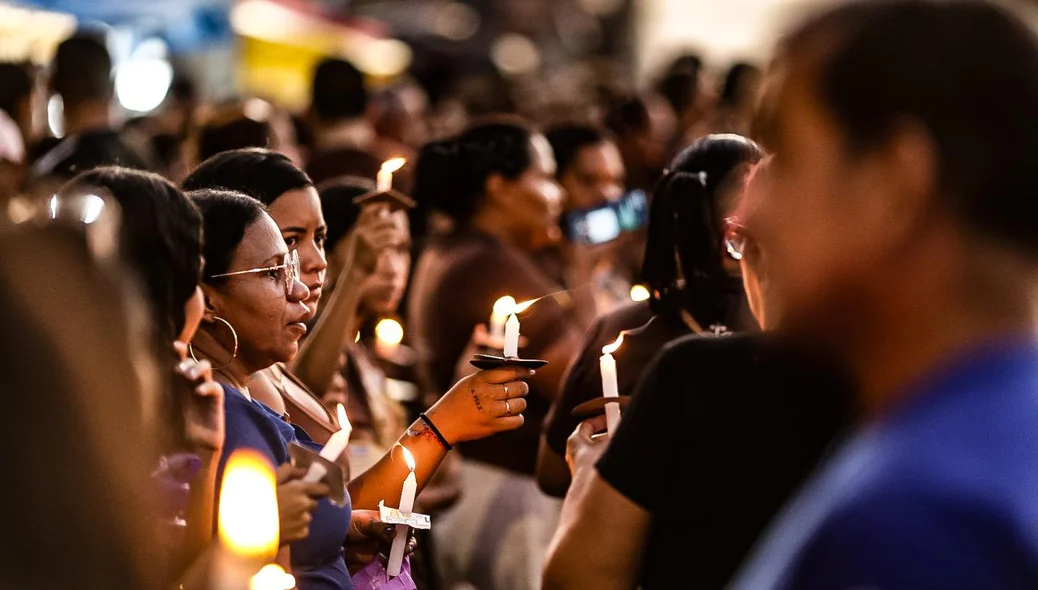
<point x="344" y="420"/>
<point x="391" y="166"/>
<point x="272" y="577"/>
<point x="611" y="348"/>
<point x="640" y="293"/>
<point x="248" y="519"/>
<point x="503" y="307"/>
<point x="521" y="307"/>
<point x="408" y="457"/>
<point x="389" y="331"/>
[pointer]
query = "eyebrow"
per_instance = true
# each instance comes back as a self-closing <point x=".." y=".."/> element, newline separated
<point x="293" y="229"/>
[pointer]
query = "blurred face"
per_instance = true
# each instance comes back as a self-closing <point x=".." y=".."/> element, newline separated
<point x="531" y="203"/>
<point x="298" y="216"/>
<point x="267" y="316"/>
<point x="386" y="286"/>
<point x="824" y="224"/>
<point x="194" y="309"/>
<point x="595" y="176"/>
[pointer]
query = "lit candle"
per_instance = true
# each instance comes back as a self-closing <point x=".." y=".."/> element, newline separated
<point x="640" y="293"/>
<point x="607" y="364"/>
<point x="272" y="577"/>
<point x="247" y="524"/>
<point x="512" y="330"/>
<point x="502" y="309"/>
<point x="336" y="444"/>
<point x="385" y="173"/>
<point x="388" y="336"/>
<point x="407" y="494"/>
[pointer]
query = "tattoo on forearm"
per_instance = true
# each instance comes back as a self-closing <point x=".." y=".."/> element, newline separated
<point x="475" y="398"/>
<point x="420" y="430"/>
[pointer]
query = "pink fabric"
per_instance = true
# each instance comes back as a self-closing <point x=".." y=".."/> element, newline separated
<point x="374" y="576"/>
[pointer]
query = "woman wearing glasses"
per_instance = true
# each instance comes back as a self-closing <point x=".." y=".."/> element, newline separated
<point x="692" y="277"/>
<point x="257" y="305"/>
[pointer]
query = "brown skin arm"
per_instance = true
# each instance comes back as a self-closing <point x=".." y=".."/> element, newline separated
<point x="601" y="534"/>
<point x="553" y="475"/>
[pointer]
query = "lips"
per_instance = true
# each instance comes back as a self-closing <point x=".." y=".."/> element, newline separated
<point x="298" y="326"/>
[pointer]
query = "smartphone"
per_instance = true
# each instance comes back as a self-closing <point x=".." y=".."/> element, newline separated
<point x="632" y="210"/>
<point x="606" y="222"/>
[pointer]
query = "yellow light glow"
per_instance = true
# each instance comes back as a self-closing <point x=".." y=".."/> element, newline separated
<point x="272" y="577"/>
<point x="391" y="166"/>
<point x="389" y="331"/>
<point x="344" y="421"/>
<point x="640" y="293"/>
<point x="248" y="520"/>
<point x="611" y="348"/>
<point x="408" y="458"/>
<point x="503" y="307"/>
<point x="521" y="307"/>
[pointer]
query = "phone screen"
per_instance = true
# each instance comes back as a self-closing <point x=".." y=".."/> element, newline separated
<point x="593" y="226"/>
<point x="632" y="210"/>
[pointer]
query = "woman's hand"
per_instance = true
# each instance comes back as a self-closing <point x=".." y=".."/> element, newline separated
<point x="203" y="408"/>
<point x="584" y="448"/>
<point x="376" y="231"/>
<point x="369" y="538"/>
<point x="482" y="404"/>
<point x="297" y="500"/>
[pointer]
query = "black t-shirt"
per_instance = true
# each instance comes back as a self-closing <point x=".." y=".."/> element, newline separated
<point x="719" y="435"/>
<point x="583" y="379"/>
<point x="78" y="153"/>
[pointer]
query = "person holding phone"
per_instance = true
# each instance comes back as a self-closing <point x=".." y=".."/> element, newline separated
<point x="591" y="174"/>
<point x="693" y="277"/>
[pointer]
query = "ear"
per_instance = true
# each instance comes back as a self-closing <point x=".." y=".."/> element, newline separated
<point x="496" y="187"/>
<point x="209" y="310"/>
<point x="911" y="169"/>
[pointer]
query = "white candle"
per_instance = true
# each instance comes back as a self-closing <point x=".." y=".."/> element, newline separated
<point x="384" y="180"/>
<point x="502" y="309"/>
<point x="333" y="448"/>
<point x="407" y="494"/>
<point x="512" y="337"/>
<point x="607" y="364"/>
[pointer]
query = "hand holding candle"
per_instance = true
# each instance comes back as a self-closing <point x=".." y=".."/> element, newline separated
<point x="334" y="447"/>
<point x="407" y="495"/>
<point x="607" y="364"/>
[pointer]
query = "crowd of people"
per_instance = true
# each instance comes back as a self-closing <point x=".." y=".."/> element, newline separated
<point x="780" y="331"/>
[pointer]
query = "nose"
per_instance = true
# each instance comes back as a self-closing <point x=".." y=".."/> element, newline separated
<point x="298" y="292"/>
<point x="312" y="260"/>
<point x="553" y="196"/>
<point x="611" y="192"/>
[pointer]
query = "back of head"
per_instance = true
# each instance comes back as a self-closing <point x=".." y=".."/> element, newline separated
<point x="969" y="83"/>
<point x="680" y="89"/>
<point x="82" y="71"/>
<point x="327" y="165"/>
<point x="626" y="116"/>
<point x="238" y="133"/>
<point x="225" y="217"/>
<point x="339" y="91"/>
<point x="567" y="141"/>
<point x="340" y="212"/>
<point x="686" y="218"/>
<point x="732" y="87"/>
<point x="15" y="87"/>
<point x="161" y="238"/>
<point x="259" y="173"/>
<point x="451" y="175"/>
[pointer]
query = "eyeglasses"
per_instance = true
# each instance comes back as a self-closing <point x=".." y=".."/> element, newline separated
<point x="735" y="238"/>
<point x="289" y="268"/>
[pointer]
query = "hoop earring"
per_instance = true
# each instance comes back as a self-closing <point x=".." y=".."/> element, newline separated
<point x="234" y="353"/>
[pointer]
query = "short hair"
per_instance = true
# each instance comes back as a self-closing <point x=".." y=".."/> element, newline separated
<point x="161" y="235"/>
<point x="236" y="134"/>
<point x="567" y="141"/>
<point x="964" y="70"/>
<point x="16" y="80"/>
<point x="340" y="212"/>
<point x="226" y="215"/>
<point x="627" y="115"/>
<point x="451" y="175"/>
<point x="259" y="173"/>
<point x="685" y="217"/>
<point x="339" y="91"/>
<point x="82" y="70"/>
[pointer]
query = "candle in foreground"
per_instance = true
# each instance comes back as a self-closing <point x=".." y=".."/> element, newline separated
<point x="385" y="174"/>
<point x="272" y="577"/>
<point x="607" y="364"/>
<point x="247" y="524"/>
<point x="388" y="336"/>
<point x="512" y="330"/>
<point x="407" y="494"/>
<point x="333" y="448"/>
<point x="502" y="309"/>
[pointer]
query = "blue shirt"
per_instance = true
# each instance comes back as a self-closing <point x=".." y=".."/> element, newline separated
<point x="318" y="562"/>
<point x="941" y="494"/>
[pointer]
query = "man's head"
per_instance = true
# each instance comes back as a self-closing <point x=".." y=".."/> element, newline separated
<point x="82" y="71"/>
<point x="339" y="91"/>
<point x="644" y="127"/>
<point x="905" y="136"/>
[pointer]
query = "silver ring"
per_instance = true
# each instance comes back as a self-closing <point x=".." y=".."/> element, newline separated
<point x="506" y="390"/>
<point x="508" y="407"/>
